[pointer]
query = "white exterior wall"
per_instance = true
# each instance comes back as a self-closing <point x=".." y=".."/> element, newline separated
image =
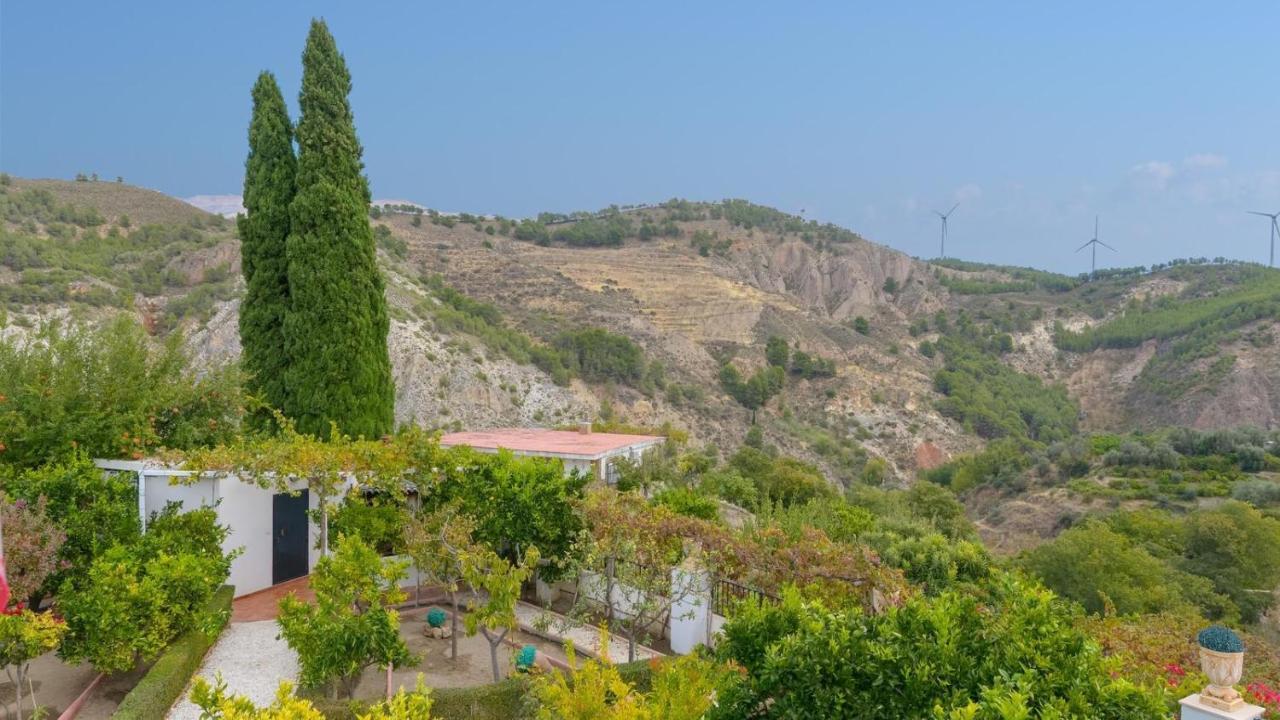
<point x="246" y="509"/>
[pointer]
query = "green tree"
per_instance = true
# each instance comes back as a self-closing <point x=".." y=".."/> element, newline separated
<point x="268" y="191"/>
<point x="1238" y="549"/>
<point x="336" y="328"/>
<point x="1094" y="565"/>
<point x="25" y="636"/>
<point x="515" y="503"/>
<point x="136" y="598"/>
<point x="436" y="542"/>
<point x="500" y="581"/>
<point x="108" y="391"/>
<point x="776" y="352"/>
<point x="351" y="625"/>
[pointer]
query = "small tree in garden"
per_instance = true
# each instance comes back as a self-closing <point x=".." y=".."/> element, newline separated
<point x="516" y="503"/>
<point x="136" y="598"/>
<point x="436" y="543"/>
<point x="351" y="625"/>
<point x="495" y="616"/>
<point x="25" y="636"/>
<point x="31" y="544"/>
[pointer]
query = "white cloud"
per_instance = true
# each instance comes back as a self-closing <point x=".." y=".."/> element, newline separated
<point x="1205" y="161"/>
<point x="1153" y="174"/>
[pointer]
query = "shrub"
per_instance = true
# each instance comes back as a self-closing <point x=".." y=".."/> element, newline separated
<point x="684" y="501"/>
<point x="95" y="511"/>
<point x="164" y="682"/>
<point x="1096" y="566"/>
<point x="950" y="656"/>
<point x="351" y="625"/>
<point x="1220" y="639"/>
<point x="135" y="599"/>
<point x="599" y="355"/>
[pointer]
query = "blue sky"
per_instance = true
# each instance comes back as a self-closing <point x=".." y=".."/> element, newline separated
<point x="1161" y="117"/>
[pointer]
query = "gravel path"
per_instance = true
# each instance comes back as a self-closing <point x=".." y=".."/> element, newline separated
<point x="252" y="662"/>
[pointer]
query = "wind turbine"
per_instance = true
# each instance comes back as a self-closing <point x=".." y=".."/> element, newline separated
<point x="1095" y="242"/>
<point x="944" y="217"/>
<point x="1275" y="230"/>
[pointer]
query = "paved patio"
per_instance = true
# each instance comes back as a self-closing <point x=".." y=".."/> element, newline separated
<point x="264" y="604"/>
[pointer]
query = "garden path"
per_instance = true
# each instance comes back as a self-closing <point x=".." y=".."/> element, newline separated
<point x="252" y="661"/>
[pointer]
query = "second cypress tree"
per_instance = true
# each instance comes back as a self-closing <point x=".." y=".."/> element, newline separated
<point x="268" y="192"/>
<point x="336" y="328"/>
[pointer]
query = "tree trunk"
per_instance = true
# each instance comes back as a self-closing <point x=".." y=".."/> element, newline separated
<point x="608" y="590"/>
<point x="324" y="526"/>
<point x="631" y="643"/>
<point x="453" y="626"/>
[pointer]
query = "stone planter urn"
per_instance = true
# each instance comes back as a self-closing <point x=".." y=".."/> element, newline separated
<point x="1222" y="660"/>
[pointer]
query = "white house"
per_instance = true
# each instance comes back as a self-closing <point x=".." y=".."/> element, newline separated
<point x="581" y="449"/>
<point x="276" y="538"/>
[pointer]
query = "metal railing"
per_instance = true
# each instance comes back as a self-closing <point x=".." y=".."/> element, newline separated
<point x="727" y="594"/>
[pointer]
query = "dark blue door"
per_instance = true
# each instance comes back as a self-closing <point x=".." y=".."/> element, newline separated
<point x="288" y="537"/>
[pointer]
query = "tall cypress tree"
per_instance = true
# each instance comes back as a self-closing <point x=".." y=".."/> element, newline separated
<point x="336" y="327"/>
<point x="268" y="191"/>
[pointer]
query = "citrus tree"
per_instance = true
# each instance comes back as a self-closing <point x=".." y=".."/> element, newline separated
<point x="494" y="616"/>
<point x="25" y="636"/>
<point x="351" y="625"/>
<point x="436" y="543"/>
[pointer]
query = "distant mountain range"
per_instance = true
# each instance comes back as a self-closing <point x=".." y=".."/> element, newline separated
<point x="229" y="206"/>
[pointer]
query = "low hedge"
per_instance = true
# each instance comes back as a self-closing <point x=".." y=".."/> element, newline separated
<point x="165" y="682"/>
<point x="505" y="700"/>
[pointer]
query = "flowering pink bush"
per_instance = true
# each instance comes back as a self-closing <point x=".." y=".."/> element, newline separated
<point x="1264" y="695"/>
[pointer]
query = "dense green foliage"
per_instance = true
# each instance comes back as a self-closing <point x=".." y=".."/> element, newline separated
<point x="165" y="681"/>
<point x="1256" y="297"/>
<point x="1014" y="652"/>
<point x="995" y="401"/>
<point x="268" y="191"/>
<point x="1210" y="560"/>
<point x="336" y="329"/>
<point x="516" y="503"/>
<point x="780" y="479"/>
<point x="1101" y="568"/>
<point x="599" y="355"/>
<point x="1021" y="279"/>
<point x="377" y="518"/>
<point x="95" y="511"/>
<point x="753" y="392"/>
<point x="108" y="391"/>
<point x="351" y="625"/>
<point x="134" y="599"/>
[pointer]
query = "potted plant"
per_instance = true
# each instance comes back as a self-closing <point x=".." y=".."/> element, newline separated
<point x="1222" y="660"/>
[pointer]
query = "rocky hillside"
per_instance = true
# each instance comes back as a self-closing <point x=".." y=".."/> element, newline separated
<point x="484" y="310"/>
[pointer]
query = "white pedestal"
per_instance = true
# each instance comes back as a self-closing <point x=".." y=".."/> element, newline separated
<point x="1193" y="709"/>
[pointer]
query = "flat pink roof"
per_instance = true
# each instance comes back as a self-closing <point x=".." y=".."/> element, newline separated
<point x="549" y="442"/>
